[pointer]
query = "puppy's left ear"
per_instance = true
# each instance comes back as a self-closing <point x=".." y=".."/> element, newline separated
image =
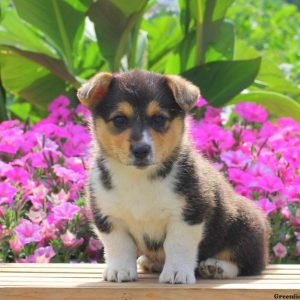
<point x="185" y="93"/>
<point x="94" y="89"/>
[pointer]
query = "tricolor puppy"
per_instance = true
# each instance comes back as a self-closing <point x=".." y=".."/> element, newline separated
<point x="153" y="196"/>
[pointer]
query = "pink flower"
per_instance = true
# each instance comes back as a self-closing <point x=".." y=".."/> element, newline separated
<point x="66" y="174"/>
<point x="15" y="245"/>
<point x="69" y="240"/>
<point x="61" y="197"/>
<point x="270" y="184"/>
<point x="36" y="216"/>
<point x="298" y="247"/>
<point x="28" y="232"/>
<point x="4" y="168"/>
<point x="48" y="229"/>
<point x="251" y="112"/>
<point x="65" y="211"/>
<point x="82" y="111"/>
<point x="11" y="140"/>
<point x="235" y="159"/>
<point x="44" y="254"/>
<point x="7" y="192"/>
<point x="59" y="103"/>
<point x="38" y="197"/>
<point x="93" y="248"/>
<point x="280" y="250"/>
<point x="239" y="176"/>
<point x="18" y="175"/>
<point x="286" y="213"/>
<point x="213" y="115"/>
<point x="292" y="193"/>
<point x="201" y="102"/>
<point x="41" y="255"/>
<point x="266" y="206"/>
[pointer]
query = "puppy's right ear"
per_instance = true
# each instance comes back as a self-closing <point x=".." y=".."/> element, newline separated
<point x="94" y="89"/>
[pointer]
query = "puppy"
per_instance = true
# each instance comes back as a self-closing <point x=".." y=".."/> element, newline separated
<point x="152" y="195"/>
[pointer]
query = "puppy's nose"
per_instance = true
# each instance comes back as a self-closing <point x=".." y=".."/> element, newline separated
<point x="140" y="150"/>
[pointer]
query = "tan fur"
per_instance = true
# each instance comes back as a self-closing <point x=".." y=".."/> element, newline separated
<point x="154" y="108"/>
<point x="125" y="109"/>
<point x="93" y="90"/>
<point x="185" y="93"/>
<point x="116" y="146"/>
<point x="165" y="143"/>
<point x="224" y="255"/>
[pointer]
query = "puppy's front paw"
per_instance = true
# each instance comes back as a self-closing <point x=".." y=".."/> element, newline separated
<point x="177" y="275"/>
<point x="120" y="272"/>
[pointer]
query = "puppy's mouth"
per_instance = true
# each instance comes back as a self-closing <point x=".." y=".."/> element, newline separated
<point x="141" y="163"/>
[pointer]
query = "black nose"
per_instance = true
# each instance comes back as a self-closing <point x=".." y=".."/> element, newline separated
<point x="140" y="151"/>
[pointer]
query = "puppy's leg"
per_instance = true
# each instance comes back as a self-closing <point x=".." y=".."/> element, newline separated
<point x="120" y="254"/>
<point x="215" y="268"/>
<point x="181" y="246"/>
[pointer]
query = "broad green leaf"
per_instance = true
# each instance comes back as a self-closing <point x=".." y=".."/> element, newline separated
<point x="29" y="80"/>
<point x="19" y="34"/>
<point x="57" y="19"/>
<point x="204" y="18"/>
<point x="270" y="77"/>
<point x="220" y="81"/>
<point x="56" y="66"/>
<point x="3" y="113"/>
<point x="223" y="46"/>
<point x="278" y="104"/>
<point x="157" y="28"/>
<point x="114" y="21"/>
<point x="81" y="5"/>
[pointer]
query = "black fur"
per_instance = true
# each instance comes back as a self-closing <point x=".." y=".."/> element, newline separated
<point x="166" y="167"/>
<point x="100" y="221"/>
<point x="105" y="176"/>
<point x="138" y="88"/>
<point x="187" y="184"/>
<point x="152" y="245"/>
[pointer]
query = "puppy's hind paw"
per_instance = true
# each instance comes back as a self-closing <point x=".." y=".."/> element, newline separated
<point x="218" y="269"/>
<point x="149" y="265"/>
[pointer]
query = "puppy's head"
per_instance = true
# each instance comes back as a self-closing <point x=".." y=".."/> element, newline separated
<point x="138" y="116"/>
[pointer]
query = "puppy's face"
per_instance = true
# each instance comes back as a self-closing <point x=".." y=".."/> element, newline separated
<point x="138" y="119"/>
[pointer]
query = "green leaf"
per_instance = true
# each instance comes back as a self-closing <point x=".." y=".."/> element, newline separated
<point x="220" y="81"/>
<point x="270" y="77"/>
<point x="204" y="18"/>
<point x="278" y="104"/>
<point x="223" y="46"/>
<point x="19" y="34"/>
<point x="3" y="112"/>
<point x="57" y="19"/>
<point x="56" y="66"/>
<point x="114" y="21"/>
<point x="30" y="80"/>
<point x="158" y="27"/>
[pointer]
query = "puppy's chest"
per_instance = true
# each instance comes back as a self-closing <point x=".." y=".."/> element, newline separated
<point x="142" y="205"/>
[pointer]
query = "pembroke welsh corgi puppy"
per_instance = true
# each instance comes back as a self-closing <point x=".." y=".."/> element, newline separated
<point x="153" y="196"/>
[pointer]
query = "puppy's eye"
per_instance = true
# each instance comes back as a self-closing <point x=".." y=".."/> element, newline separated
<point x="159" y="121"/>
<point x="120" y="121"/>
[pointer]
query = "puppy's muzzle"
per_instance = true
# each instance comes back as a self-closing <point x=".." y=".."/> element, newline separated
<point x="141" y="153"/>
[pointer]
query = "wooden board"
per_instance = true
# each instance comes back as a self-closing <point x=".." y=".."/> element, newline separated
<point x="84" y="282"/>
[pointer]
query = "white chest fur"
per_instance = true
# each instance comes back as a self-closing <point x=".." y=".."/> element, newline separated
<point x="143" y="206"/>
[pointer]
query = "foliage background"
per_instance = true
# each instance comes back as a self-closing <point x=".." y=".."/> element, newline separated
<point x="235" y="51"/>
<point x="49" y="48"/>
